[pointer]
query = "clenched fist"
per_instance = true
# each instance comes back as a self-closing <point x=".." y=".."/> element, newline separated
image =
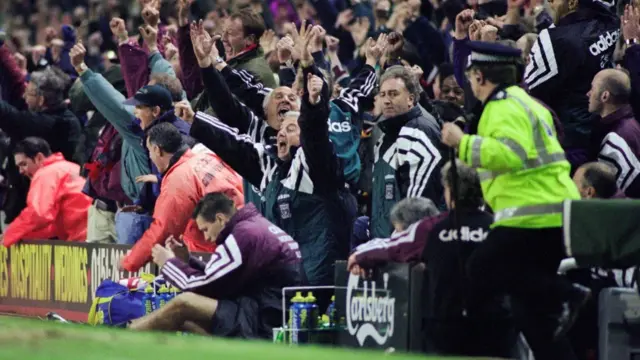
<point x="184" y="111"/>
<point x="77" y="54"/>
<point x="119" y="29"/>
<point x="451" y="134"/>
<point x="151" y="16"/>
<point x="314" y="85"/>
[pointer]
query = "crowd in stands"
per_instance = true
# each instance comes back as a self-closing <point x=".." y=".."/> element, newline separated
<point x="284" y="135"/>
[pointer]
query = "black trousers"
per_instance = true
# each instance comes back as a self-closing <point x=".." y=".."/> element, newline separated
<point x="471" y="337"/>
<point x="523" y="264"/>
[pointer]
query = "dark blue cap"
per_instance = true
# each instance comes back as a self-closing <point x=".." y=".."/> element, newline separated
<point x="483" y="53"/>
<point x="151" y="95"/>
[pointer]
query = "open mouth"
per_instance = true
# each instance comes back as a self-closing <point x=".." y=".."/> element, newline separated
<point x="283" y="109"/>
<point x="282" y="146"/>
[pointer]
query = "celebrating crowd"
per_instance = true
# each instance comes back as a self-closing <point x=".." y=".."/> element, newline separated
<point x="284" y="135"/>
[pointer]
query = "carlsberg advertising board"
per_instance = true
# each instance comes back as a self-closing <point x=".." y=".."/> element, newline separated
<point x="375" y="310"/>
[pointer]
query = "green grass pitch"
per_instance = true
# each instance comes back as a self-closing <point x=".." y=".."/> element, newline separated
<point x="30" y="339"/>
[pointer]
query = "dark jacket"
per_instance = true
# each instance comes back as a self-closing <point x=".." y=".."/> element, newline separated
<point x="243" y="116"/>
<point x="253" y="61"/>
<point x="303" y="195"/>
<point x="616" y="140"/>
<point x="631" y="62"/>
<point x="345" y="116"/>
<point x="58" y="126"/>
<point x="564" y="60"/>
<point x="254" y="258"/>
<point x="409" y="157"/>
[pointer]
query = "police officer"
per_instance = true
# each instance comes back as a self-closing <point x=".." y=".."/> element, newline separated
<point x="524" y="177"/>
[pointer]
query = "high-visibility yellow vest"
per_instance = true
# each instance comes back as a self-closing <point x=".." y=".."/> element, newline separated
<point x="522" y="167"/>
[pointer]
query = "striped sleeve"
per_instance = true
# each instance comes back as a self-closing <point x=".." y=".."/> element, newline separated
<point x="238" y="150"/>
<point x="417" y="150"/>
<point x="404" y="246"/>
<point x="543" y="65"/>
<point x="224" y="261"/>
<point x="360" y="86"/>
<point x="615" y="151"/>
<point x="247" y="88"/>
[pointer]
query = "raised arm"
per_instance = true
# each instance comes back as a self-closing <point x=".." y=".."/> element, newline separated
<point x="320" y="157"/>
<point x="107" y="100"/>
<point x="237" y="150"/>
<point x="225" y="105"/>
<point x="13" y="84"/>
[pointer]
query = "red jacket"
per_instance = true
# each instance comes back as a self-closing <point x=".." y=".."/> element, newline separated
<point x="183" y="185"/>
<point x="56" y="206"/>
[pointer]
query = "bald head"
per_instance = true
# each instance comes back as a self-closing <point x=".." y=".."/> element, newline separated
<point x="618" y="84"/>
<point x="610" y="89"/>
<point x="596" y="180"/>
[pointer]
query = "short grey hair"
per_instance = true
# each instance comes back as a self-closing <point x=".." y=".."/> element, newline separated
<point x="469" y="190"/>
<point x="267" y="98"/>
<point x="410" y="82"/>
<point x="410" y="210"/>
<point x="51" y="84"/>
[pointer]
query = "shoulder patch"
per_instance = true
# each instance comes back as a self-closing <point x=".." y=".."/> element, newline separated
<point x="500" y="95"/>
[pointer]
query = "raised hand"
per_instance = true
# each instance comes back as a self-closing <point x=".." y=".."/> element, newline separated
<point x="170" y="50"/>
<point x="314" y="86"/>
<point x="152" y="3"/>
<point x="203" y="44"/>
<point x="301" y="41"/>
<point x="119" y="29"/>
<point x="182" y="7"/>
<point x="268" y="41"/>
<point x="151" y="15"/>
<point x="332" y="43"/>
<point x="631" y="23"/>
<point x="150" y="36"/>
<point x="376" y="48"/>
<point x="184" y="111"/>
<point x="77" y="54"/>
<point x="464" y="19"/>
<point x="475" y="29"/>
<point x="489" y="33"/>
<point x="318" y="41"/>
<point x="285" y="49"/>
<point x="416" y="70"/>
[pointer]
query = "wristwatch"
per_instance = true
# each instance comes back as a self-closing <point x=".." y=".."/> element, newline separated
<point x="218" y="60"/>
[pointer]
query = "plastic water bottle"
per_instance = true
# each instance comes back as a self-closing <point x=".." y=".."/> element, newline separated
<point x="298" y="319"/>
<point x="312" y="311"/>
<point x="162" y="297"/>
<point x="148" y="299"/>
<point x="173" y="292"/>
<point x="332" y="312"/>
